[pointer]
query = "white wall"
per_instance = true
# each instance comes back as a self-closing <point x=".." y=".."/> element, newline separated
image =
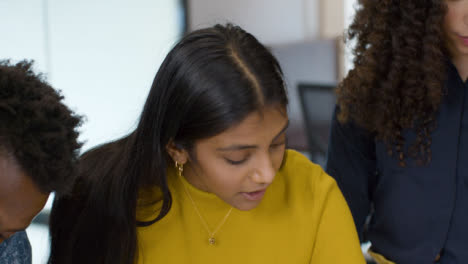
<point x="275" y="21"/>
<point x="21" y="28"/>
<point x="103" y="54"/>
<point x="349" y="15"/>
<point x="271" y="21"/>
<point x="331" y="18"/>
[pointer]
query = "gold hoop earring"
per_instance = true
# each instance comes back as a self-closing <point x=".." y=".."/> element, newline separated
<point x="180" y="168"/>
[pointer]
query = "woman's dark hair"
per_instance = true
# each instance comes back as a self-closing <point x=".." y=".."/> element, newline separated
<point x="210" y="81"/>
<point x="36" y="128"/>
<point x="398" y="75"/>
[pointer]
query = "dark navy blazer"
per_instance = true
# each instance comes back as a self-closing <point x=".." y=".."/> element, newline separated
<point x="412" y="207"/>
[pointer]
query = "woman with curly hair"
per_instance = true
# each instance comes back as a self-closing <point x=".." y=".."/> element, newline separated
<point x="399" y="139"/>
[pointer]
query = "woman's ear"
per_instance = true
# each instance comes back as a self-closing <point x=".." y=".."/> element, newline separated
<point x="177" y="154"/>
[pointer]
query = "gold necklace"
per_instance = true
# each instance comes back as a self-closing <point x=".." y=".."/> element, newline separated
<point x="211" y="239"/>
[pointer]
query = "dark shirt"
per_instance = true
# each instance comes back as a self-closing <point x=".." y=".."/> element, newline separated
<point x="417" y="213"/>
<point x="456" y="247"/>
<point x="16" y="249"/>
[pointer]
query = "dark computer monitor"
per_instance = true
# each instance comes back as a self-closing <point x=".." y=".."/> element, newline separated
<point x="318" y="103"/>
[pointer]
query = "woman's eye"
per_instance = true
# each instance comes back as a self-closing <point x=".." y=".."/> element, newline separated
<point x="235" y="162"/>
<point x="276" y="145"/>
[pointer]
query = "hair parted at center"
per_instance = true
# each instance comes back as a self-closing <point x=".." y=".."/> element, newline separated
<point x="210" y="81"/>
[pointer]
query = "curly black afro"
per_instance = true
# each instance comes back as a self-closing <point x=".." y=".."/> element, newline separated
<point x="37" y="129"/>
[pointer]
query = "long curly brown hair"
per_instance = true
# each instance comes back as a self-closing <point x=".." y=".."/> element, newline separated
<point x="398" y="75"/>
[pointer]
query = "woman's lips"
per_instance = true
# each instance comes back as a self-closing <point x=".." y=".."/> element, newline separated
<point x="464" y="40"/>
<point x="254" y="196"/>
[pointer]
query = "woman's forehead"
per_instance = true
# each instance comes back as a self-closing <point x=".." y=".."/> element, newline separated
<point x="256" y="127"/>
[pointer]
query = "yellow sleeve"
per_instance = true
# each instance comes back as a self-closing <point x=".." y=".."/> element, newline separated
<point x="337" y="240"/>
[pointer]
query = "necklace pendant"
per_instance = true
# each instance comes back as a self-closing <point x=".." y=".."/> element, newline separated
<point x="211" y="241"/>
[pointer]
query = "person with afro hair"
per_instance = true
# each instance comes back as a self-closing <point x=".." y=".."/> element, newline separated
<point x="39" y="150"/>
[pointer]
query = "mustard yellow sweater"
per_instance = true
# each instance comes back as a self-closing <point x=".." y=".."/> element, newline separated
<point x="303" y="218"/>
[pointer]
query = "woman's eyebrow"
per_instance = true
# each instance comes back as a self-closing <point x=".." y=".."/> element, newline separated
<point x="237" y="147"/>
<point x="282" y="130"/>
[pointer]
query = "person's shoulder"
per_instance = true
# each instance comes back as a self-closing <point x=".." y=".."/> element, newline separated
<point x="16" y="249"/>
<point x="299" y="165"/>
<point x="299" y="171"/>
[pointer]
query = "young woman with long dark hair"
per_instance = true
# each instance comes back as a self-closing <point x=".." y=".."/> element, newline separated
<point x="205" y="177"/>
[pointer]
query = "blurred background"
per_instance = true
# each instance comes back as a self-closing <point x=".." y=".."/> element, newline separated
<point x="103" y="56"/>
